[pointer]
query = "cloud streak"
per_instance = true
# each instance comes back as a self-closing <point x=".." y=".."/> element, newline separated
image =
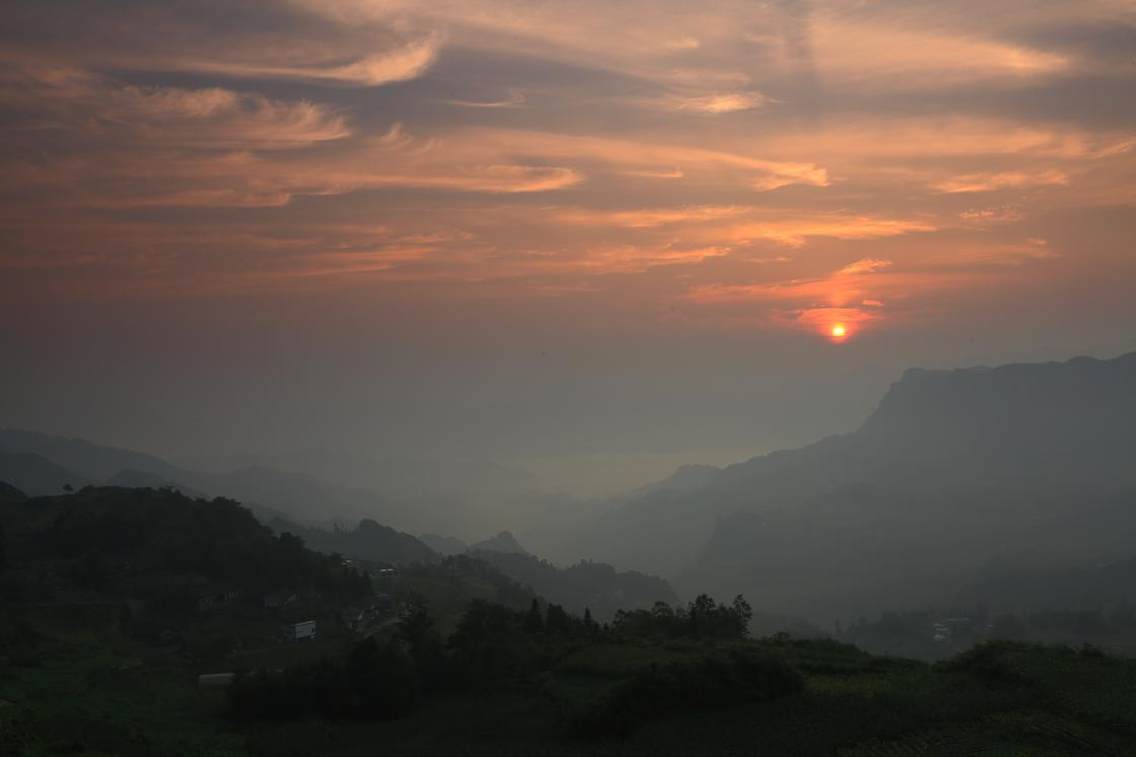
<point x="400" y="64"/>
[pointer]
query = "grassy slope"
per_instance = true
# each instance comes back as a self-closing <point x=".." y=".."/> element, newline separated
<point x="87" y="697"/>
<point x="97" y="697"/>
<point x="1051" y="702"/>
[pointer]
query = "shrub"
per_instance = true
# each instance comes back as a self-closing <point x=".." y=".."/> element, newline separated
<point x="374" y="682"/>
<point x="717" y="679"/>
<point x="989" y="662"/>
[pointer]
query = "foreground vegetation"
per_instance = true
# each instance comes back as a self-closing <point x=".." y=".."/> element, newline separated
<point x="588" y="695"/>
<point x="112" y="602"/>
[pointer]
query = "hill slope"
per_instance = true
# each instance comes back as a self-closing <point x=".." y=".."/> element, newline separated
<point x="36" y="475"/>
<point x="367" y="541"/>
<point x="953" y="469"/>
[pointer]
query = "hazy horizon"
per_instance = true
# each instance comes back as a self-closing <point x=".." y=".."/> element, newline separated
<point x="588" y="470"/>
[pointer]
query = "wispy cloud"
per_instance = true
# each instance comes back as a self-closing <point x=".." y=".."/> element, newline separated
<point x="647" y="217"/>
<point x="713" y="103"/>
<point x="992" y="182"/>
<point x="97" y="106"/>
<point x="515" y="99"/>
<point x="399" y="64"/>
<point x="864" y="265"/>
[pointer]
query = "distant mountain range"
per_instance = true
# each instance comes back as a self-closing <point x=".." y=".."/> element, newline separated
<point x="444" y="545"/>
<point x="417" y="495"/>
<point x="37" y="475"/>
<point x="961" y="483"/>
<point x="953" y="470"/>
<point x="503" y="543"/>
<point x="405" y="477"/>
<point x="369" y="540"/>
<point x="41" y="465"/>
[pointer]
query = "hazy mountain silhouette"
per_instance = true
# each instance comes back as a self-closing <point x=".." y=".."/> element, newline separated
<point x="414" y="495"/>
<point x="56" y="461"/>
<point x="953" y="469"/>
<point x="955" y="472"/>
<point x="135" y="479"/>
<point x="369" y="540"/>
<point x="594" y="586"/>
<point x="95" y="462"/>
<point x="1024" y="583"/>
<point x="35" y="475"/>
<point x="387" y="475"/>
<point x="444" y="545"/>
<point x="503" y="542"/>
<point x="686" y="478"/>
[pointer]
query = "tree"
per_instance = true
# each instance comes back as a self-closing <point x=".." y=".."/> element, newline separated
<point x="534" y="623"/>
<point x="416" y="630"/>
<point x="742" y="614"/>
<point x="415" y="623"/>
<point x="380" y="681"/>
<point x="489" y="643"/>
<point x="373" y="682"/>
<point x="557" y="621"/>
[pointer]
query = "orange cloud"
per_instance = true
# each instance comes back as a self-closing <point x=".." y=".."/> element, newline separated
<point x="870" y="291"/>
<point x="795" y="231"/>
<point x="648" y="217"/>
<point x="624" y="155"/>
<point x="713" y="103"/>
<point x="908" y="56"/>
<point x="864" y="265"/>
<point x="982" y="217"/>
<point x="991" y="182"/>
<point x="211" y="117"/>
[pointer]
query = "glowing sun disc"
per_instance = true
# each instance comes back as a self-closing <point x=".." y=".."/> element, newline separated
<point x="839" y="331"/>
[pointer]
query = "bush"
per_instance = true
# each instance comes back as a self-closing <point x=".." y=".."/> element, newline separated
<point x="490" y="644"/>
<point x="373" y="683"/>
<point x="990" y="662"/>
<point x="735" y="677"/>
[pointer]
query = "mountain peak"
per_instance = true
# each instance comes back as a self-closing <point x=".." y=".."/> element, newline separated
<point x="503" y="542"/>
<point x="1025" y="409"/>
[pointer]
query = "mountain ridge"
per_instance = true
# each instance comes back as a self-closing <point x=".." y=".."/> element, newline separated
<point x="932" y="430"/>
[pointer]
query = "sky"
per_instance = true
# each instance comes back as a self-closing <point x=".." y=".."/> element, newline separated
<point x="591" y="238"/>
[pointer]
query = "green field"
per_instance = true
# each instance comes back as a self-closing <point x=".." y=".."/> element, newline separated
<point x="97" y="697"/>
<point x="107" y="697"/>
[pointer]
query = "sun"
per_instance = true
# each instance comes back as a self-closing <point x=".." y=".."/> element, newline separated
<point x="839" y="331"/>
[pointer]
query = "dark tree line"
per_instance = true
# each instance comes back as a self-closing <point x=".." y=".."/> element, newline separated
<point x="703" y="618"/>
<point x="493" y="643"/>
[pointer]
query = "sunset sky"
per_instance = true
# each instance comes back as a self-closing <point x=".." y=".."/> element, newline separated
<point x="548" y="230"/>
